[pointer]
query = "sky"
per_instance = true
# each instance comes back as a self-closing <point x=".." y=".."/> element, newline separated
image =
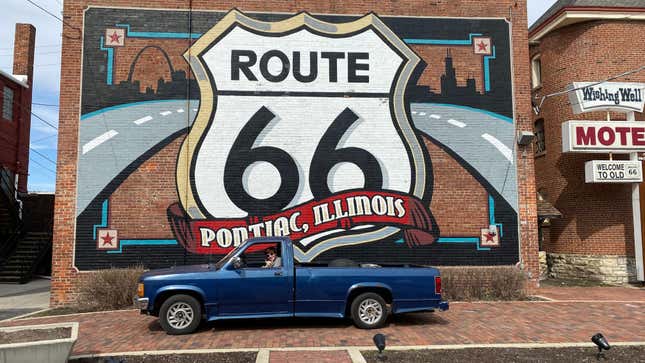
<point x="42" y="156"/>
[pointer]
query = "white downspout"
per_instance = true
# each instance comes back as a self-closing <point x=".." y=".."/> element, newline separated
<point x="636" y="213"/>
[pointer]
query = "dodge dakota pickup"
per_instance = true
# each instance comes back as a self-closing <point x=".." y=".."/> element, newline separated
<point x="244" y="285"/>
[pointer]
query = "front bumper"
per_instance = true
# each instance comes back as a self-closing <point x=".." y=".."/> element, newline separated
<point x="443" y="306"/>
<point x="141" y="303"/>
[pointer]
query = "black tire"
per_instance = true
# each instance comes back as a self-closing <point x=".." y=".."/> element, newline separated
<point x="181" y="305"/>
<point x="363" y="301"/>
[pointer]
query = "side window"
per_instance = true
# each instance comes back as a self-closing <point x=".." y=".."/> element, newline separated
<point x="540" y="146"/>
<point x="7" y="103"/>
<point x="536" y="72"/>
<point x="262" y="255"/>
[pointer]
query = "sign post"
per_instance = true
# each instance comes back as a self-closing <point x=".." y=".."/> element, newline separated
<point x="636" y="215"/>
<point x="610" y="137"/>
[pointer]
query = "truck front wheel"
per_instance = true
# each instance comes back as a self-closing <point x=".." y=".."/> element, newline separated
<point x="180" y="314"/>
<point x="369" y="311"/>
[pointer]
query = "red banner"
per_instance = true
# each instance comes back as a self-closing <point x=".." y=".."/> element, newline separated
<point x="343" y="212"/>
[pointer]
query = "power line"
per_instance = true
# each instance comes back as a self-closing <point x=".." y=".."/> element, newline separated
<point x="21" y="110"/>
<point x="38" y="65"/>
<point x="43" y="166"/>
<point x="45" y="104"/>
<point x="45" y="121"/>
<point x="42" y="155"/>
<point x="55" y="17"/>
<point x="35" y="53"/>
<point x="635" y="70"/>
<point x="45" y="138"/>
<point x="37" y="46"/>
<point x="46" y="11"/>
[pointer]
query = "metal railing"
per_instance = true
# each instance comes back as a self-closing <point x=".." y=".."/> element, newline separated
<point x="9" y="197"/>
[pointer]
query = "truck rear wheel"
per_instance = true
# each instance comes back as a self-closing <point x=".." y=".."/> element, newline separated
<point x="369" y="311"/>
<point x="180" y="314"/>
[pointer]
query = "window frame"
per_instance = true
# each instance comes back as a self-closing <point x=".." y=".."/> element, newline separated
<point x="539" y="141"/>
<point x="7" y="110"/>
<point x="536" y="71"/>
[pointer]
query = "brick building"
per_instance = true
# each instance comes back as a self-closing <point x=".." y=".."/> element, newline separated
<point x="15" y="121"/>
<point x="377" y="131"/>
<point x="584" y="41"/>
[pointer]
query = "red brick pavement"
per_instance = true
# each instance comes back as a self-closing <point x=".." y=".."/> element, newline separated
<point x="464" y="323"/>
<point x="592" y="293"/>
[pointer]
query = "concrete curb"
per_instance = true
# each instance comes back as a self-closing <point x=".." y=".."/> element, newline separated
<point x="25" y="315"/>
<point x="353" y="350"/>
<point x="263" y="356"/>
<point x="52" y="350"/>
<point x="64" y="315"/>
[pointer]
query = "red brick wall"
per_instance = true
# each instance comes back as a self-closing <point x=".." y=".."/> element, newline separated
<point x="65" y="276"/>
<point x="597" y="217"/>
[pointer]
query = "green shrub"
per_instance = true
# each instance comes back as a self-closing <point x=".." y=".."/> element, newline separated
<point x="109" y="289"/>
<point x="469" y="283"/>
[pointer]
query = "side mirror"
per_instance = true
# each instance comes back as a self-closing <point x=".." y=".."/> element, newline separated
<point x="236" y="262"/>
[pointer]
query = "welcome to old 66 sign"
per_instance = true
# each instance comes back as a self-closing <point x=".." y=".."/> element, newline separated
<point x="301" y="131"/>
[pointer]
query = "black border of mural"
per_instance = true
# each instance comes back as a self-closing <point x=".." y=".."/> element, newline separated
<point x="433" y="254"/>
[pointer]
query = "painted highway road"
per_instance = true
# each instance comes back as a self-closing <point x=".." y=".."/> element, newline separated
<point x="483" y="140"/>
<point x="112" y="138"/>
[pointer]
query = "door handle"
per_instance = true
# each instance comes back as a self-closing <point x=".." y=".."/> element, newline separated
<point x="277" y="273"/>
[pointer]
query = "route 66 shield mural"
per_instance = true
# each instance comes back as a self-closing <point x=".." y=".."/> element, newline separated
<point x="381" y="139"/>
<point x="301" y="132"/>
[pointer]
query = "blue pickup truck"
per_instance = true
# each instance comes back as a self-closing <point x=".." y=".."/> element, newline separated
<point x="241" y="285"/>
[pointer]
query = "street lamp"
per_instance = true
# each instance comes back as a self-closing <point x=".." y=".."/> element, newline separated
<point x="379" y="342"/>
<point x="601" y="342"/>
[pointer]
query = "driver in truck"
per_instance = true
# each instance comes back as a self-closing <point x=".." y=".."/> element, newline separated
<point x="272" y="260"/>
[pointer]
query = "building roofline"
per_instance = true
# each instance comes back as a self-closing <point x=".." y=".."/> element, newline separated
<point x="13" y="78"/>
<point x="542" y="28"/>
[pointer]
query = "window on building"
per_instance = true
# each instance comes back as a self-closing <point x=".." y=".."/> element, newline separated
<point x="7" y="103"/>
<point x="536" y="72"/>
<point x="540" y="146"/>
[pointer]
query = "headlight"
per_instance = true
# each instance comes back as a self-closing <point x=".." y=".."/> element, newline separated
<point x="140" y="289"/>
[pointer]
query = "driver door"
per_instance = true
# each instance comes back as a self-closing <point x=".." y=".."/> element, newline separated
<point x="253" y="290"/>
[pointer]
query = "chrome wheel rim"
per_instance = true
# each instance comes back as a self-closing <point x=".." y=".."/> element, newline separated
<point x="370" y="311"/>
<point x="180" y="315"/>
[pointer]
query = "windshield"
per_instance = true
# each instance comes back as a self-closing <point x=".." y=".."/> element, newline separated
<point x="225" y="259"/>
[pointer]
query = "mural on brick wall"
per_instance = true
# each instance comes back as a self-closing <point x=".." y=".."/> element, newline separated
<point x="381" y="139"/>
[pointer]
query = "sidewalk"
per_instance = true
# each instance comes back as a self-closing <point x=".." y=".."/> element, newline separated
<point x="522" y="322"/>
<point x="591" y="293"/>
<point x="19" y="299"/>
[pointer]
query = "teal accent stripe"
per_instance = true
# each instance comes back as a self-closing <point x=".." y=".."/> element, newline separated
<point x="124" y="105"/>
<point x="437" y="41"/>
<point x="171" y="35"/>
<point x="104" y="216"/>
<point x="491" y="210"/>
<point x="487" y="69"/>
<point x="468" y="41"/>
<point x="473" y="240"/>
<point x="144" y="242"/>
<point x="110" y="61"/>
<point x="489" y="113"/>
<point x="491" y="215"/>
